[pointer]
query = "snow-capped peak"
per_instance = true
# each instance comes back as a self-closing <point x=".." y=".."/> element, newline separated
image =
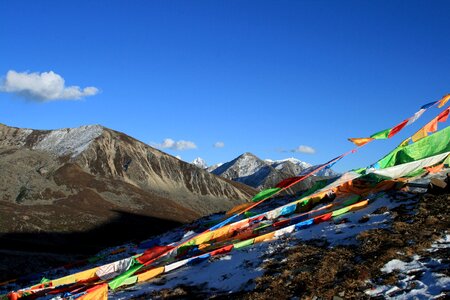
<point x="69" y="141"/>
<point x="248" y="164"/>
<point x="293" y="160"/>
<point x="200" y="162"/>
<point x="213" y="167"/>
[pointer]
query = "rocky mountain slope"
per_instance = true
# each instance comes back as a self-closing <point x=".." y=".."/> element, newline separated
<point x="261" y="174"/>
<point x="96" y="180"/>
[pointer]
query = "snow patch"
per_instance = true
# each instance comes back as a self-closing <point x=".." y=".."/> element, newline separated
<point x="293" y="160"/>
<point x="200" y="162"/>
<point x="213" y="167"/>
<point x="69" y="141"/>
<point x="421" y="278"/>
<point x="231" y="273"/>
<point x="248" y="165"/>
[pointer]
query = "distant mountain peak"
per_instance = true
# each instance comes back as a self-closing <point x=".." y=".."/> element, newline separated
<point x="247" y="154"/>
<point x="200" y="162"/>
<point x="213" y="167"/>
<point x="253" y="171"/>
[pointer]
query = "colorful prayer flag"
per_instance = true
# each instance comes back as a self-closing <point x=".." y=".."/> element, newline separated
<point x="264" y="194"/>
<point x="444" y="100"/>
<point x="443" y="115"/>
<point x="405" y="142"/>
<point x="397" y="128"/>
<point x="419" y="135"/>
<point x="428" y="105"/>
<point x="288" y="182"/>
<point x="360" y="141"/>
<point x="416" y="116"/>
<point x="381" y="135"/>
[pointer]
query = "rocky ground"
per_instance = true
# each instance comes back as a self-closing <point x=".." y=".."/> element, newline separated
<point x="316" y="269"/>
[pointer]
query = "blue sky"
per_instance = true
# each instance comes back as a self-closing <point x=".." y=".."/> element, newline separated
<point x="259" y="76"/>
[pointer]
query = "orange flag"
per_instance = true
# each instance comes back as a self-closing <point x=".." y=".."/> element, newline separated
<point x="444" y="100"/>
<point x="360" y="141"/>
<point x="432" y="126"/>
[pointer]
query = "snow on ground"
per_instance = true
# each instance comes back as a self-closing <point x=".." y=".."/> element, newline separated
<point x="420" y="278"/>
<point x="236" y="270"/>
<point x="69" y="141"/>
<point x="344" y="228"/>
<point x="226" y="274"/>
<point x="19" y="138"/>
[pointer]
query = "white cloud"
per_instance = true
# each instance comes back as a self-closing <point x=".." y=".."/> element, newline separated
<point x="179" y="157"/>
<point x="176" y="145"/>
<point x="219" y="145"/>
<point x="42" y="87"/>
<point x="304" y="149"/>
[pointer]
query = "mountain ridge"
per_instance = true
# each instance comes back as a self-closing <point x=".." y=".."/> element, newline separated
<point x="78" y="178"/>
<point x="251" y="170"/>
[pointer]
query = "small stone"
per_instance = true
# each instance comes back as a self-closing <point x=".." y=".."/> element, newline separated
<point x="380" y="210"/>
<point x="364" y="219"/>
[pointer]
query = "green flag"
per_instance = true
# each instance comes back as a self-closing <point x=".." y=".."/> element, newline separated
<point x="122" y="278"/>
<point x="434" y="144"/>
<point x="381" y="135"/>
<point x="243" y="244"/>
<point x="264" y="194"/>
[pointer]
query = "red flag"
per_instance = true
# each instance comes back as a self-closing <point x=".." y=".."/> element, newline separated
<point x="323" y="218"/>
<point x="152" y="253"/>
<point x="443" y="115"/>
<point x="397" y="128"/>
<point x="288" y="182"/>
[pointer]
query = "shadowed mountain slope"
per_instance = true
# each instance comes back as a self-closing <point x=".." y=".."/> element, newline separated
<point x="75" y="180"/>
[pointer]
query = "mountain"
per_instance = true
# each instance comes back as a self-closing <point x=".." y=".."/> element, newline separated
<point x="324" y="172"/>
<point x="250" y="170"/>
<point x="93" y="179"/>
<point x="296" y="166"/>
<point x="200" y="163"/>
<point x="261" y="174"/>
<point x="213" y="167"/>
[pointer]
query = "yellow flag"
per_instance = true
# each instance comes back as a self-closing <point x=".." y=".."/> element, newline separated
<point x="444" y="100"/>
<point x="419" y="135"/>
<point x="405" y="142"/>
<point x="150" y="274"/>
<point x="99" y="292"/>
<point x="360" y="141"/>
